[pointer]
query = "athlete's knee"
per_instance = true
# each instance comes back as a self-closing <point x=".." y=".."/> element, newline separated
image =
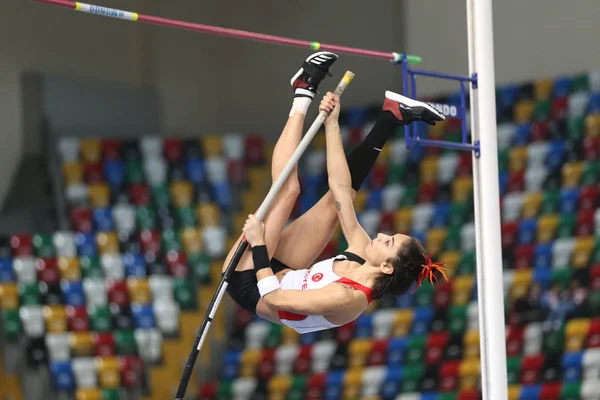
<point x="291" y="187"/>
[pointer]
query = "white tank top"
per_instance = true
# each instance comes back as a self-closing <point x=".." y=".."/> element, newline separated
<point x="321" y="274"/>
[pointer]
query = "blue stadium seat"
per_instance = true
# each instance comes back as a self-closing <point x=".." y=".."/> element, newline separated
<point x="522" y="135"/>
<point x="568" y="200"/>
<point x="572" y="364"/>
<point x="422" y="319"/>
<point x="416" y="153"/>
<point x="594" y="103"/>
<point x="404" y="301"/>
<point x="103" y="219"/>
<point x="334" y="384"/>
<point x="143" y="315"/>
<point x="507" y="96"/>
<point x="562" y="87"/>
<point x="391" y="384"/>
<point x="374" y="200"/>
<point x="222" y="192"/>
<point x="440" y="215"/>
<point x="86" y="244"/>
<point x="530" y="392"/>
<point x="527" y="231"/>
<point x="396" y="350"/>
<point x="543" y="276"/>
<point x="231" y="362"/>
<point x="503" y="181"/>
<point x="195" y="171"/>
<point x="309" y="338"/>
<point x="542" y="258"/>
<point x="73" y="293"/>
<point x="7" y="273"/>
<point x="556" y="154"/>
<point x="135" y="265"/>
<point x="62" y="375"/>
<point x="364" y="326"/>
<point x="114" y="173"/>
<point x="429" y="396"/>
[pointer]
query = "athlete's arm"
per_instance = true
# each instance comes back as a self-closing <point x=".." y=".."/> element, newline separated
<point x="340" y="181"/>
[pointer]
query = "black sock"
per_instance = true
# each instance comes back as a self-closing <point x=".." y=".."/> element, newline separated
<point x="363" y="157"/>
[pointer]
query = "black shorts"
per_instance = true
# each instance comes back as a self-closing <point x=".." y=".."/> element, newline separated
<point x="242" y="286"/>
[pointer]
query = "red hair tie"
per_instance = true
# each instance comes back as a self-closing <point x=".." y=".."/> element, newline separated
<point x="428" y="271"/>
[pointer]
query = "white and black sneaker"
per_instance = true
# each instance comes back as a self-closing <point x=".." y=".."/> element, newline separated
<point x="313" y="71"/>
<point x="408" y="110"/>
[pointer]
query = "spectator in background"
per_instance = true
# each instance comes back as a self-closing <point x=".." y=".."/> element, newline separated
<point x="559" y="303"/>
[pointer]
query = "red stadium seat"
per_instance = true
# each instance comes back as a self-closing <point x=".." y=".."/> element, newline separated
<point x="177" y="264"/>
<point x="469" y="395"/>
<point x="48" y="270"/>
<point x="354" y="137"/>
<point x="267" y="364"/>
<point x="531" y="368"/>
<point x="345" y="332"/>
<point x="516" y="181"/>
<point x="150" y="241"/>
<point x="139" y="194"/>
<point x="427" y="192"/>
<point x="21" y="244"/>
<point x="104" y="344"/>
<point x="378" y="353"/>
<point x="387" y="222"/>
<point x="465" y="164"/>
<point x="588" y="197"/>
<point x="379" y="176"/>
<point x="551" y="391"/>
<point x="523" y="256"/>
<point x="593" y="338"/>
<point x="591" y="148"/>
<point x="443" y="295"/>
<point x="595" y="278"/>
<point x="81" y="219"/>
<point x="330" y="250"/>
<point x="540" y="131"/>
<point x="77" y="319"/>
<point x="302" y="362"/>
<point x="208" y="391"/>
<point x="117" y="292"/>
<point x="93" y="173"/>
<point x="111" y="149"/>
<point x="236" y="171"/>
<point x="514" y="340"/>
<point x="131" y="371"/>
<point x="436" y="344"/>
<point x="559" y="108"/>
<point x="510" y="231"/>
<point x="315" y="385"/>
<point x="172" y="149"/>
<point x="449" y="375"/>
<point x="585" y="223"/>
<point x="255" y="150"/>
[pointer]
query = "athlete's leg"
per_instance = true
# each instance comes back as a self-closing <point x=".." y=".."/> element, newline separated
<point x="305" y="85"/>
<point x="305" y="238"/>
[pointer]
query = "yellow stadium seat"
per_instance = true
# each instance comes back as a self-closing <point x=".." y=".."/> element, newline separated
<point x="517" y="158"/>
<point x="451" y="258"/>
<point x="462" y="289"/>
<point x="384" y="156"/>
<point x="191" y="239"/>
<point x="182" y="193"/>
<point x="319" y="142"/>
<point x="469" y="373"/>
<point x="289" y="336"/>
<point x="429" y="168"/>
<point x="56" y="319"/>
<point x="547" y="225"/>
<point x="582" y="251"/>
<point x="337" y="232"/>
<point x="403" y="219"/>
<point x="360" y="201"/>
<point x="437" y="131"/>
<point x="208" y="215"/>
<point x="260" y="176"/>
<point x="69" y="268"/>
<point x="521" y="282"/>
<point x="9" y="296"/>
<point x="251" y="201"/>
<point x="571" y="174"/>
<point x="108" y="372"/>
<point x="99" y="194"/>
<point x="542" y="89"/>
<point x="72" y="172"/>
<point x="514" y="392"/>
<point x="575" y="334"/>
<point x="531" y="204"/>
<point x="212" y="146"/>
<point x="402" y="322"/>
<point x="592" y="125"/>
<point x="88" y="394"/>
<point x="435" y="239"/>
<point x="108" y="243"/>
<point x="471" y="344"/>
<point x="10" y="387"/>
<point x="139" y="290"/>
<point x="352" y="383"/>
<point x="249" y="362"/>
<point x="91" y="150"/>
<point x="81" y="343"/>
<point x="358" y="352"/>
<point x="461" y="189"/>
<point x="279" y="385"/>
<point x="523" y="111"/>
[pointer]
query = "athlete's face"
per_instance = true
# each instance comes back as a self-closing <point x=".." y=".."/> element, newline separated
<point x="384" y="247"/>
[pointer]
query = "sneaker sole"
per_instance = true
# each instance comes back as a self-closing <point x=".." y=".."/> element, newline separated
<point x="310" y="58"/>
<point x="413" y="103"/>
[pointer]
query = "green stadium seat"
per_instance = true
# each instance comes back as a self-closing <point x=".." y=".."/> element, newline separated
<point x="29" y="294"/>
<point x="457" y="320"/>
<point x="503" y="160"/>
<point x="183" y="292"/>
<point x="453" y="240"/>
<point x="513" y="365"/>
<point x="412" y="377"/>
<point x="111" y="394"/>
<point x="467" y="264"/>
<point x="591" y="171"/>
<point x="125" y="342"/>
<point x="458" y="214"/>
<point x="579" y="83"/>
<point x="11" y="324"/>
<point x="424" y="296"/>
<point x="185" y="217"/>
<point x="297" y="389"/>
<point x="562" y="276"/>
<point x="550" y="202"/>
<point x="566" y="225"/>
<point x="170" y="240"/>
<point x="554" y="342"/>
<point x="541" y="111"/>
<point x="410" y="195"/>
<point x="90" y="267"/>
<point x="43" y="246"/>
<point x="593" y="303"/>
<point x="134" y="172"/>
<point x="415" y="349"/>
<point x="570" y="391"/>
<point x="161" y="196"/>
<point x="273" y="338"/>
<point x="145" y="218"/>
<point x="396" y="173"/>
<point x="447" y="396"/>
<point x="100" y="319"/>
<point x="576" y="128"/>
<point x="200" y="265"/>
